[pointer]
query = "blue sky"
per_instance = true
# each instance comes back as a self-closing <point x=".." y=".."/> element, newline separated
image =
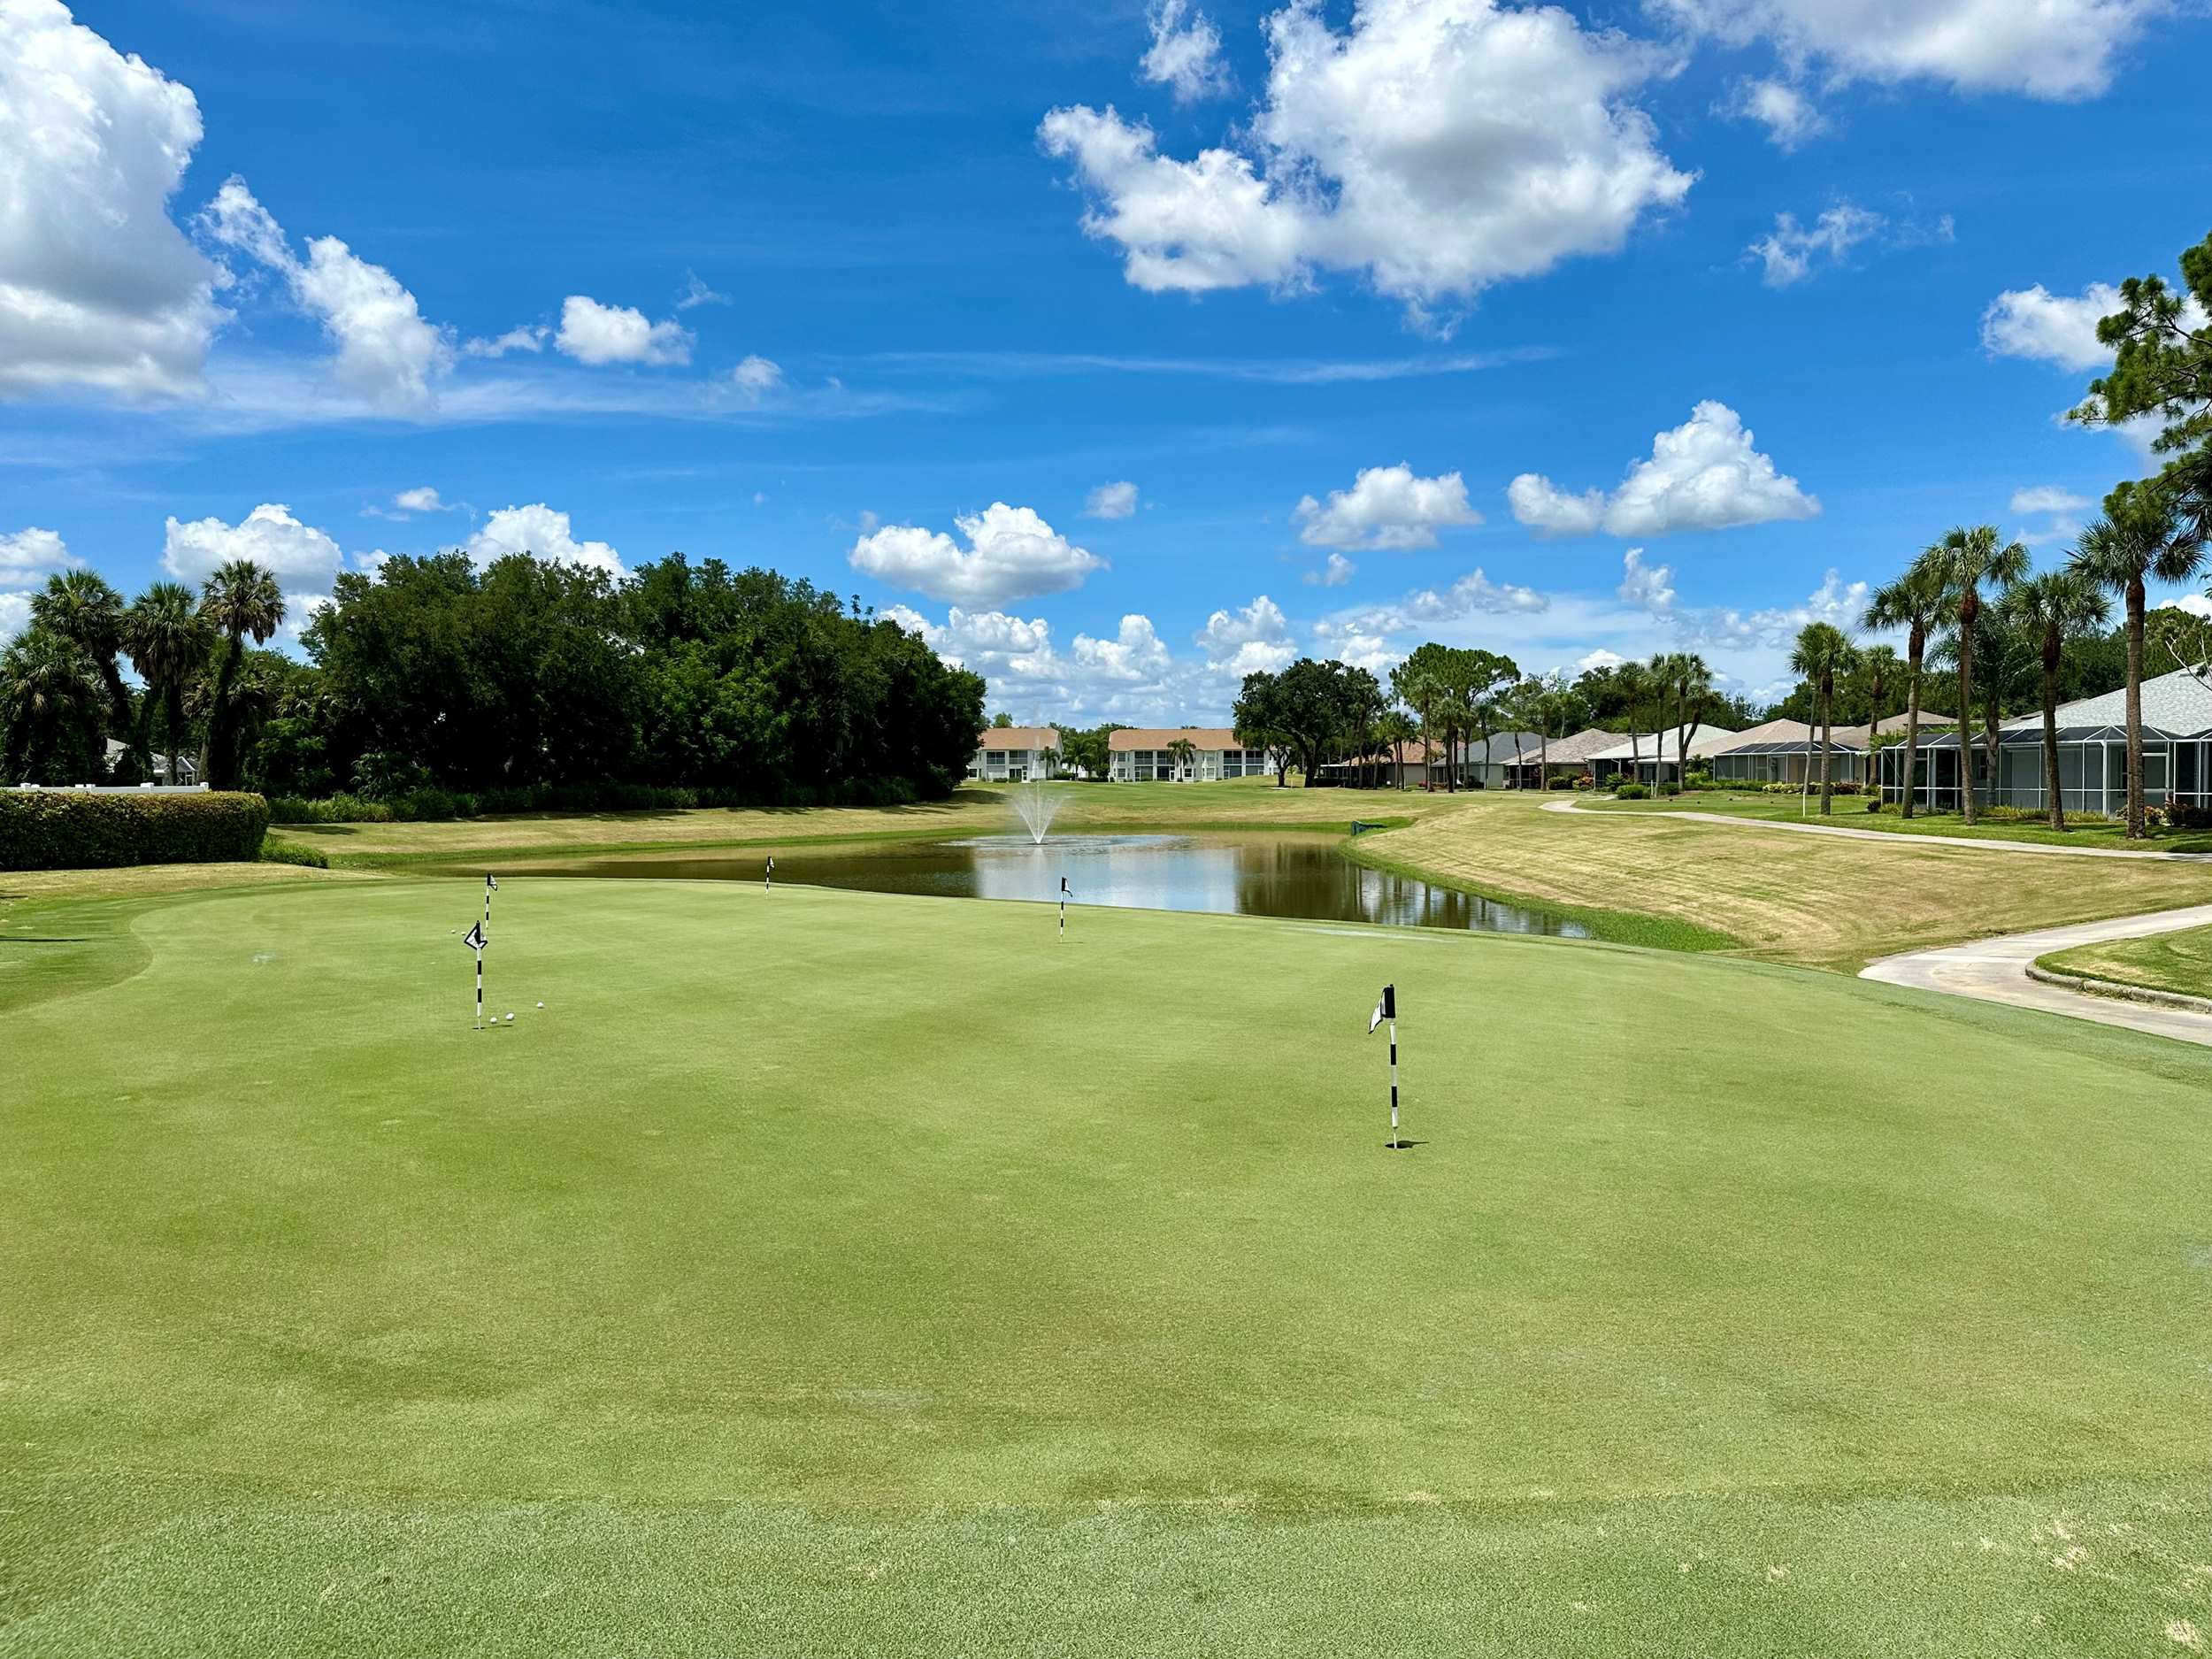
<point x="1121" y="348"/>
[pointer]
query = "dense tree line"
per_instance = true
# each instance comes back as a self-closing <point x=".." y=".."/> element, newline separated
<point x="521" y="676"/>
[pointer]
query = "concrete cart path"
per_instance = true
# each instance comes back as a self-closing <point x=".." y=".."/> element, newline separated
<point x="1893" y="837"/>
<point x="1996" y="971"/>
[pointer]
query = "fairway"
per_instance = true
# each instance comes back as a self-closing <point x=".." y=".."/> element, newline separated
<point x="836" y="1273"/>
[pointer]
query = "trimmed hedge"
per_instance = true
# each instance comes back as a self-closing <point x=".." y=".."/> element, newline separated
<point x="76" y="829"/>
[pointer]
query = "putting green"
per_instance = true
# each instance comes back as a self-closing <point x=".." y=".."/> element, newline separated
<point x="837" y="1273"/>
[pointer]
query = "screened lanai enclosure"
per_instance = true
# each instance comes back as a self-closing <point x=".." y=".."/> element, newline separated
<point x="1797" y="762"/>
<point x="2092" y="756"/>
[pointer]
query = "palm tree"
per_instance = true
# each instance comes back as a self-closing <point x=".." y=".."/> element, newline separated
<point x="2052" y="609"/>
<point x="240" y="599"/>
<point x="1821" y="654"/>
<point x="49" y="690"/>
<point x="1967" y="559"/>
<point x="167" y="642"/>
<point x="1183" y="750"/>
<point x="1913" y="602"/>
<point x="1393" y="732"/>
<point x="1634" y="683"/>
<point x="1691" y="682"/>
<point x="2142" y="535"/>
<point x="83" y="609"/>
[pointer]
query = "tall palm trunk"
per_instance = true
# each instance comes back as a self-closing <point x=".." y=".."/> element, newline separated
<point x="2135" y="710"/>
<point x="172" y="716"/>
<point x="1969" y="604"/>
<point x="1991" y="714"/>
<point x="215" y="759"/>
<point x="1915" y="649"/>
<point x="2050" y="728"/>
<point x="1827" y="745"/>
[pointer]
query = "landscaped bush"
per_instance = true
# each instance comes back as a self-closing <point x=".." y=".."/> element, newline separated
<point x="1586" y="781"/>
<point x="1670" y="788"/>
<point x="1568" y="783"/>
<point x="1874" y="804"/>
<point x="76" y="829"/>
<point x="285" y="853"/>
<point x="1631" y="792"/>
<point x="2181" y="815"/>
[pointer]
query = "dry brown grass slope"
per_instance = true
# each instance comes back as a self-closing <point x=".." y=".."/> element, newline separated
<point x="1816" y="901"/>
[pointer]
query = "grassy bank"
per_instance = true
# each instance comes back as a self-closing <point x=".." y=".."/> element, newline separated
<point x="2082" y="829"/>
<point x="2179" y="962"/>
<point x="795" y="1278"/>
<point x="1247" y="803"/>
<point x="1818" y="900"/>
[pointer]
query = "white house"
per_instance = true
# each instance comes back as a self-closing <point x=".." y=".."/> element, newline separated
<point x="1014" y="754"/>
<point x="1639" y="759"/>
<point x="1144" y="754"/>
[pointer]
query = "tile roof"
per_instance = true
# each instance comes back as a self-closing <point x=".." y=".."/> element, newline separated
<point x="1200" y="737"/>
<point x="1021" y="737"/>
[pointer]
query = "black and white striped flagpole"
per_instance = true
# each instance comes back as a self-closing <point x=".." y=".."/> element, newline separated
<point x="1064" y="907"/>
<point x="1386" y="1011"/>
<point x="768" y="876"/>
<point x="475" y="939"/>
<point x="491" y="886"/>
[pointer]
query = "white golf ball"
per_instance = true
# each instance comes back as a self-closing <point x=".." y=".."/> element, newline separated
<point x="511" y="1019"/>
<point x="541" y="1005"/>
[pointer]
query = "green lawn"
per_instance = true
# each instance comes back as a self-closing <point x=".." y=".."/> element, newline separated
<point x="2082" y="829"/>
<point x="2164" y="962"/>
<point x="833" y="1273"/>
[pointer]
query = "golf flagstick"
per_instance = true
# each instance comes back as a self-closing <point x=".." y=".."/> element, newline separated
<point x="475" y="940"/>
<point x="1064" y="907"/>
<point x="768" y="876"/>
<point x="1388" y="1010"/>
<point x="491" y="886"/>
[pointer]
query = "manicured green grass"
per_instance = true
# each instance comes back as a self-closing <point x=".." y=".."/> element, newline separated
<point x="2178" y="961"/>
<point x="831" y="1273"/>
<point x="2082" y="829"/>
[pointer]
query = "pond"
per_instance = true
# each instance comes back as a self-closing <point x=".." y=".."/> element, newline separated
<point x="1302" y="876"/>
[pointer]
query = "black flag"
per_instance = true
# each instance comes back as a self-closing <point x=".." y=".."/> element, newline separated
<point x="474" y="938"/>
<point x="1388" y="1009"/>
<point x="491" y="881"/>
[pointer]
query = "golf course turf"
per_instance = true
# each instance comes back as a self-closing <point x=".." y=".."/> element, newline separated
<point x="833" y="1274"/>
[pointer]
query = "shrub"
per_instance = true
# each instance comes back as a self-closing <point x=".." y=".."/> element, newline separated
<point x="1562" y="783"/>
<point x="1874" y="804"/>
<point x="1670" y="788"/>
<point x="1631" y="792"/>
<point x="1586" y="781"/>
<point x="2182" y="815"/>
<point x="287" y="853"/>
<point x="76" y="829"/>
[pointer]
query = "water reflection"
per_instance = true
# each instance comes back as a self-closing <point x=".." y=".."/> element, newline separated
<point x="1299" y="875"/>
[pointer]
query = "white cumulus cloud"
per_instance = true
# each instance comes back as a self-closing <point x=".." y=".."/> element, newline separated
<point x="1337" y="572"/>
<point x="528" y="337"/>
<point x="543" y="534"/>
<point x="1111" y="501"/>
<point x="1186" y="52"/>
<point x="388" y="354"/>
<point x="1439" y="146"/>
<point x="1647" y="587"/>
<point x="2048" y="327"/>
<point x="1705" y="474"/>
<point x="299" y="556"/>
<point x="756" y="377"/>
<point x="1253" y="639"/>
<point x="1789" y="251"/>
<point x="597" y="335"/>
<point x="98" y="287"/>
<point x="1788" y="115"/>
<point x="1012" y="554"/>
<point x="2044" y="48"/>
<point x="1386" y="507"/>
<point x="31" y="552"/>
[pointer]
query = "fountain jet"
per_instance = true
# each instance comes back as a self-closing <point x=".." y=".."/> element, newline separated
<point x="1035" y="804"/>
